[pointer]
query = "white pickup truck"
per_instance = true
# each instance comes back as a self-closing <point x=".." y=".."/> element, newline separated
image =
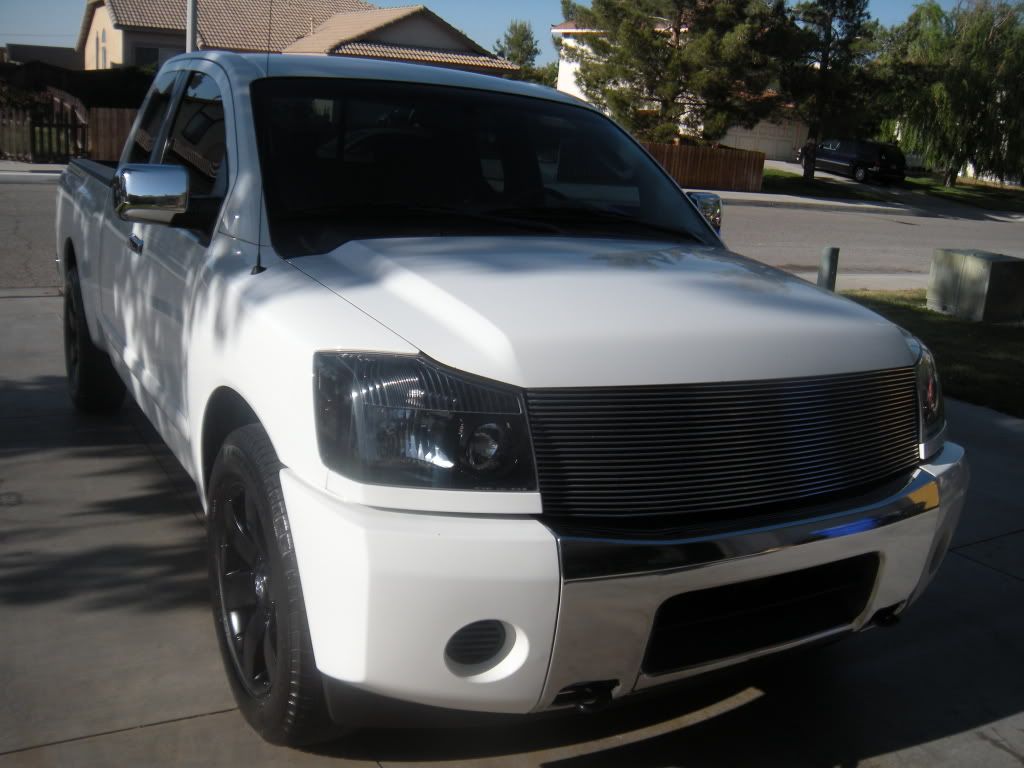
<point x="483" y="414"/>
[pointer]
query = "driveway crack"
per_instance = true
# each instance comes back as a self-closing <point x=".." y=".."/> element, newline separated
<point x="154" y="724"/>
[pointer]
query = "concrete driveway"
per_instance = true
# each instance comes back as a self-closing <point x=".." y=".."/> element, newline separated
<point x="110" y="657"/>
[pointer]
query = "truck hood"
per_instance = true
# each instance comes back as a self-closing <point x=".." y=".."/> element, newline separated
<point x="557" y="312"/>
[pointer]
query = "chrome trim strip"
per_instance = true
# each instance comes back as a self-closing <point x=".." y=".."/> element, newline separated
<point x="588" y="558"/>
<point x="605" y="619"/>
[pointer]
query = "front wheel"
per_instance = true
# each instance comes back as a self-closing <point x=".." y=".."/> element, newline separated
<point x="256" y="596"/>
<point x="860" y="174"/>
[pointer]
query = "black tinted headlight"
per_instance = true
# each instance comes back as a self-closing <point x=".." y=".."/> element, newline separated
<point x="402" y="420"/>
<point x="933" y="409"/>
<point x="931" y="406"/>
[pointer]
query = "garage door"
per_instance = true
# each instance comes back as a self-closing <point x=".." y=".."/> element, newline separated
<point x="778" y="141"/>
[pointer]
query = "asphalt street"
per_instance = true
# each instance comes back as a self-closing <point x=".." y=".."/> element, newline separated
<point x="110" y="658"/>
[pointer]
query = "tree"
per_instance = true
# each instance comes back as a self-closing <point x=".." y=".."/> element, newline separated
<point x="520" y="46"/>
<point x="961" y="75"/>
<point x="665" y="67"/>
<point x="829" y="79"/>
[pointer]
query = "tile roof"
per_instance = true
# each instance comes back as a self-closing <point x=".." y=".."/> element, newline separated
<point x="234" y="24"/>
<point x="343" y="27"/>
<point x="424" y="55"/>
<point x="295" y="26"/>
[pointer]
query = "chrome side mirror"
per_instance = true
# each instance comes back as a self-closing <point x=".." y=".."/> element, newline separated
<point x="710" y="205"/>
<point x="150" y="193"/>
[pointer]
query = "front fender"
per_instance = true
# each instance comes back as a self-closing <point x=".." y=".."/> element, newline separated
<point x="256" y="334"/>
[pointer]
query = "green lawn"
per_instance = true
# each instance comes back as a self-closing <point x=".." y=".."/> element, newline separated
<point x="989" y="197"/>
<point x="787" y="183"/>
<point x="979" y="363"/>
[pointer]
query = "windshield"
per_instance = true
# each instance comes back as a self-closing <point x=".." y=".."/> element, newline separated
<point x="366" y="159"/>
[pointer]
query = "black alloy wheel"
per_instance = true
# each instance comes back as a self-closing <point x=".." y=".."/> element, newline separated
<point x="256" y="595"/>
<point x="245" y="588"/>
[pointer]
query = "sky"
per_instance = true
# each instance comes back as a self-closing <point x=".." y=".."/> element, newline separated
<point x="56" y="22"/>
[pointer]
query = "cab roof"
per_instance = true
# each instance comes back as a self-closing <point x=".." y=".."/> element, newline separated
<point x="244" y="68"/>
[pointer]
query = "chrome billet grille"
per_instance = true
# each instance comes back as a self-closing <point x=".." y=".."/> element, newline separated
<point x="721" y="448"/>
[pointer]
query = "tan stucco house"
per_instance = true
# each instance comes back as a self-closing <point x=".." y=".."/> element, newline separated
<point x="118" y="33"/>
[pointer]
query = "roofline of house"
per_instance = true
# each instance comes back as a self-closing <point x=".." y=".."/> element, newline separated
<point x="422" y="9"/>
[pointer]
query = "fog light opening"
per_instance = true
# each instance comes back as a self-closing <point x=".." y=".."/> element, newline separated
<point x="479" y="647"/>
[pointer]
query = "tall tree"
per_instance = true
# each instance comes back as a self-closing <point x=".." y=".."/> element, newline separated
<point x="665" y="67"/>
<point x="962" y="94"/>
<point x="519" y="45"/>
<point x="828" y="79"/>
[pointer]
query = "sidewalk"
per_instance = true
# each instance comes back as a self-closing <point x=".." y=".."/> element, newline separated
<point x="871" y="281"/>
<point x="768" y="200"/>
<point x="904" y="202"/>
<point x="17" y="172"/>
<point x="16" y="166"/>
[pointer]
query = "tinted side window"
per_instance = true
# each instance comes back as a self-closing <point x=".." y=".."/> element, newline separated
<point x="153" y="113"/>
<point x="198" y="140"/>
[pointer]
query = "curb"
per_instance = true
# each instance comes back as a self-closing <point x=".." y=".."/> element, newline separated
<point x="829" y="207"/>
<point x="30" y="177"/>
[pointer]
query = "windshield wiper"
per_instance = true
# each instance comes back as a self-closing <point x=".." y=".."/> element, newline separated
<point x="398" y="212"/>
<point x="600" y="216"/>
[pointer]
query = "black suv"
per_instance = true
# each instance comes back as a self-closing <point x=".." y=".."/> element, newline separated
<point x="860" y="159"/>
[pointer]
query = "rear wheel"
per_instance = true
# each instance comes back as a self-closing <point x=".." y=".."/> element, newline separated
<point x="93" y="383"/>
<point x="860" y="174"/>
<point x="256" y="596"/>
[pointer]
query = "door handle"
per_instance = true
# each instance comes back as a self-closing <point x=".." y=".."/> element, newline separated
<point x="135" y="243"/>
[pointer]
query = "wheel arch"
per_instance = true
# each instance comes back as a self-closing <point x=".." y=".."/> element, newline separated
<point x="226" y="410"/>
<point x="68" y="259"/>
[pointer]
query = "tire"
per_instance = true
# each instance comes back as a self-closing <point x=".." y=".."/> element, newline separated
<point x="860" y="174"/>
<point x="93" y="384"/>
<point x="256" y="597"/>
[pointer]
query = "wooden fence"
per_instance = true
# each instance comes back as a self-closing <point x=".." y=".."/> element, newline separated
<point x="108" y="129"/>
<point x="15" y="134"/>
<point x="54" y="131"/>
<point x="711" y="167"/>
<point x="50" y="131"/>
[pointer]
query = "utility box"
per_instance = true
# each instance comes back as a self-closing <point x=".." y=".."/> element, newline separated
<point x="977" y="285"/>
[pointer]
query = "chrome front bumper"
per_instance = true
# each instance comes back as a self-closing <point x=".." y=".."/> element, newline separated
<point x="612" y="589"/>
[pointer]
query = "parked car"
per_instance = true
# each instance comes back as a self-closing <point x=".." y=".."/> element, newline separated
<point x="859" y="159"/>
<point x="482" y="413"/>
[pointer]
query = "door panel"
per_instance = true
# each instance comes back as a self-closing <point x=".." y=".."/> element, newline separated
<point x="118" y="264"/>
<point x="175" y="255"/>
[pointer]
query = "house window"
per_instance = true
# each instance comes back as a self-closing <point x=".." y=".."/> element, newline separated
<point x="145" y="56"/>
<point x="96" y="58"/>
<point x="103" y="50"/>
